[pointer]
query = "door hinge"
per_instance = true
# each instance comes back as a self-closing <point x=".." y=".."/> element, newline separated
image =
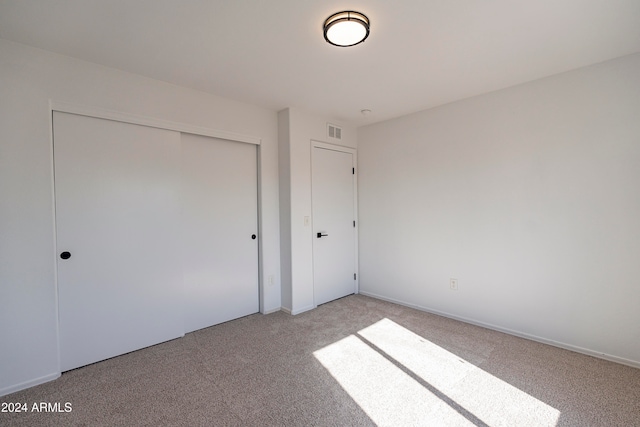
<point x="353" y="171"/>
<point x="354" y="223"/>
<point x="354" y="276"/>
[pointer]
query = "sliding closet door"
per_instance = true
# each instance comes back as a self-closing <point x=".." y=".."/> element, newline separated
<point x="219" y="221"/>
<point x="117" y="190"/>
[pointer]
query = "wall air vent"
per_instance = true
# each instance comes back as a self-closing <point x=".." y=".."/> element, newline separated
<point x="334" y="132"/>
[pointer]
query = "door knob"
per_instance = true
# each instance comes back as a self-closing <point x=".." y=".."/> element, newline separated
<point x="65" y="255"/>
<point x="319" y="235"/>
<point x="253" y="236"/>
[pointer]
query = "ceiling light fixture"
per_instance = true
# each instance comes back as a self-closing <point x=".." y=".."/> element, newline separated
<point x="347" y="28"/>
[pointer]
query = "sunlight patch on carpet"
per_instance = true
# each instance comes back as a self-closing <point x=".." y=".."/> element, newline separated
<point x="399" y="378"/>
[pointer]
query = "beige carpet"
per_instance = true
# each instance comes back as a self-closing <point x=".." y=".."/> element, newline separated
<point x="355" y="361"/>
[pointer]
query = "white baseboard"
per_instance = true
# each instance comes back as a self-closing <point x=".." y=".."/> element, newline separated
<point x="589" y="352"/>
<point x="273" y="310"/>
<point x="30" y="383"/>
<point x="301" y="310"/>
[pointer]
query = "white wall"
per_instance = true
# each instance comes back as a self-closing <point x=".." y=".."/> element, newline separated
<point x="284" y="161"/>
<point x="29" y="78"/>
<point x="297" y="130"/>
<point x="529" y="196"/>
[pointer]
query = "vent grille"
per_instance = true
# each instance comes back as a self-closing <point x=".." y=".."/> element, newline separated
<point x="334" y="132"/>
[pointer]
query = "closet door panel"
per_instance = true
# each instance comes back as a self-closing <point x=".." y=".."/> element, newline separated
<point x="220" y="230"/>
<point x="117" y="189"/>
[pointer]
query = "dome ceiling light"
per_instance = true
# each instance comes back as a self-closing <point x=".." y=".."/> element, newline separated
<point x="347" y="28"/>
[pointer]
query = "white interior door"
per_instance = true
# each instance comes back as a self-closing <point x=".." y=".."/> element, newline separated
<point x="334" y="235"/>
<point x="117" y="189"/>
<point x="220" y="246"/>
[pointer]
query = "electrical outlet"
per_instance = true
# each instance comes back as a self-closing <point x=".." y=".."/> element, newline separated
<point x="453" y="284"/>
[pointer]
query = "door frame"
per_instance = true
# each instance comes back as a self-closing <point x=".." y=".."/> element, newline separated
<point x="118" y="116"/>
<point x="354" y="154"/>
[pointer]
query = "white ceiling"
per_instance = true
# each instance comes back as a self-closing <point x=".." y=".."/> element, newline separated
<point x="271" y="53"/>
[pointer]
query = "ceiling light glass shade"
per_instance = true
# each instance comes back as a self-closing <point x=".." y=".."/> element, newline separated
<point x="346" y="28"/>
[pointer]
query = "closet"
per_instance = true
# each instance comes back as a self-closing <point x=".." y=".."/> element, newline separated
<point x="156" y="234"/>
